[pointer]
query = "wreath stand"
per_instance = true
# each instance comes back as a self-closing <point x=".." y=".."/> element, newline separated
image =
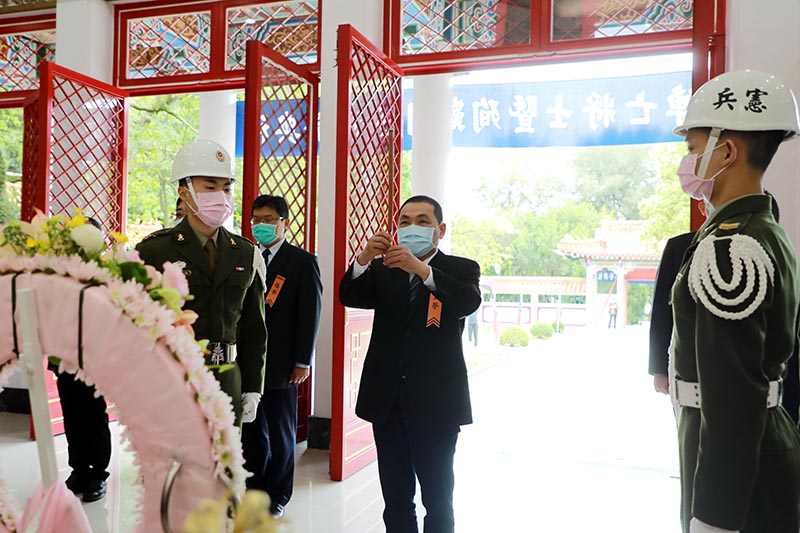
<point x="52" y="505"/>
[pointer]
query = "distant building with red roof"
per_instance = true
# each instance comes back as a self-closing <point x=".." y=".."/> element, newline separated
<point x="616" y="252"/>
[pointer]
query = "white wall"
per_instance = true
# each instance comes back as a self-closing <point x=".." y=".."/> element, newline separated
<point x="366" y="16"/>
<point x="85" y="37"/>
<point x="766" y="38"/>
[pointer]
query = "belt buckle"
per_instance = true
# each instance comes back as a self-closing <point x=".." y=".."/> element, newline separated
<point x="218" y="353"/>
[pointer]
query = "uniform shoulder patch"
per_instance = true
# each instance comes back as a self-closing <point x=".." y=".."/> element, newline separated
<point x="165" y="231"/>
<point x="752" y="272"/>
<point x="729" y="226"/>
<point x="238" y="240"/>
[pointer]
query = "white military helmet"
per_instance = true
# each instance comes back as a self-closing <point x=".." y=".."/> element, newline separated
<point x="202" y="158"/>
<point x="743" y="100"/>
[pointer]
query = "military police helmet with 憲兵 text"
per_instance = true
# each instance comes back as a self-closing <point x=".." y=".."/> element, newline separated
<point x="743" y="100"/>
<point x="202" y="158"/>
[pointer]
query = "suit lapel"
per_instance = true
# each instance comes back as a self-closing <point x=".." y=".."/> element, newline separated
<point x="228" y="256"/>
<point x="187" y="244"/>
<point x="278" y="262"/>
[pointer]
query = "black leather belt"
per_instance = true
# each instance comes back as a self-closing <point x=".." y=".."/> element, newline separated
<point x="220" y="353"/>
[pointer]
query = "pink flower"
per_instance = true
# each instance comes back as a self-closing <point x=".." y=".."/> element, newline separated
<point x="132" y="256"/>
<point x="174" y="278"/>
<point x="154" y="275"/>
<point x="186" y="317"/>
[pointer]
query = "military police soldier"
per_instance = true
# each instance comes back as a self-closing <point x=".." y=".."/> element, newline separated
<point x="225" y="272"/>
<point x="735" y="305"/>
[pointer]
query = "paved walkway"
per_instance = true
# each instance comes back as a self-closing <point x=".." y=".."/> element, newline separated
<point x="569" y="437"/>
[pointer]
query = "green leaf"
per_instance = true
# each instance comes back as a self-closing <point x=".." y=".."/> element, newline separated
<point x="131" y="270"/>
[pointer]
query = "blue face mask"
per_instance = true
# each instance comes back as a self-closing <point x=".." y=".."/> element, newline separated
<point x="264" y="233"/>
<point x="418" y="239"/>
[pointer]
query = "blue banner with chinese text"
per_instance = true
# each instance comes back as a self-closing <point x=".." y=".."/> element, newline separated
<point x="610" y="111"/>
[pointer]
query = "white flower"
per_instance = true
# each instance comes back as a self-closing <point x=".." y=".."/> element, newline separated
<point x="89" y="238"/>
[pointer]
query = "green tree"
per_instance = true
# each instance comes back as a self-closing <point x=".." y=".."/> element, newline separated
<point x="405" y="175"/>
<point x="666" y="211"/>
<point x="10" y="163"/>
<point x="11" y="140"/>
<point x="9" y="209"/>
<point x="536" y="239"/>
<point x="159" y="126"/>
<point x="639" y="294"/>
<point x="506" y="192"/>
<point x="616" y="178"/>
<point x="486" y="241"/>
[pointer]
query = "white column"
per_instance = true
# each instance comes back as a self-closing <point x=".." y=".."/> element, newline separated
<point x="752" y="44"/>
<point x="218" y="123"/>
<point x="366" y="16"/>
<point x="85" y="37"/>
<point x="218" y="119"/>
<point x="432" y="139"/>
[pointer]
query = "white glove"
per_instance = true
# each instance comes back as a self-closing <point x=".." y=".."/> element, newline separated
<point x="697" y="526"/>
<point x="249" y="405"/>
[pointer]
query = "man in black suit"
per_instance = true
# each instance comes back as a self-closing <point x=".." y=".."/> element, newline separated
<point x="414" y="386"/>
<point x="661" y="317"/>
<point x="86" y="430"/>
<point x="292" y="311"/>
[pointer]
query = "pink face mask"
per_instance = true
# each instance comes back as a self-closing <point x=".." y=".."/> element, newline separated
<point x="213" y="208"/>
<point x="697" y="188"/>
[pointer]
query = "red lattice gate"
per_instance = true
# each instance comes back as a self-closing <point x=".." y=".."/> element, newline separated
<point x="280" y="155"/>
<point x="367" y="199"/>
<point x="75" y="149"/>
<point x="74" y="156"/>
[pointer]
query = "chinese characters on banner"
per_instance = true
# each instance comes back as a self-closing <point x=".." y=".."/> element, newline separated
<point x="610" y="111"/>
<point x="627" y="110"/>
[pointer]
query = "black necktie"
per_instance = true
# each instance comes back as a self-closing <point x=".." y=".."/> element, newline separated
<point x="266" y="256"/>
<point x="416" y="281"/>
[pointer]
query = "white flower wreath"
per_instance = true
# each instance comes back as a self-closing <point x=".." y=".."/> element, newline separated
<point x="150" y="302"/>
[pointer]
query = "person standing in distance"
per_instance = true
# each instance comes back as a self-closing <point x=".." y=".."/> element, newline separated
<point x="225" y="272"/>
<point x="292" y="309"/>
<point x="735" y="304"/>
<point x="414" y="386"/>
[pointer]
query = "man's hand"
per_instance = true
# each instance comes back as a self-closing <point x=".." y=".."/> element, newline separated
<point x="376" y="245"/>
<point x="661" y="383"/>
<point x="299" y="375"/>
<point x="249" y="405"/>
<point x="400" y="257"/>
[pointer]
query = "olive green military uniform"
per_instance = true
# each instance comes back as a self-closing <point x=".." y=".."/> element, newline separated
<point x="229" y="301"/>
<point x="735" y="305"/>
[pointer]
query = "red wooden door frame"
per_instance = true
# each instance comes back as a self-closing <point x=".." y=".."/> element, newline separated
<point x="708" y="58"/>
<point x="41" y="129"/>
<point x="360" y="211"/>
<point x="302" y="172"/>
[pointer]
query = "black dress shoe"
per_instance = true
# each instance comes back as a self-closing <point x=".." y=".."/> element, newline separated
<point x="76" y="483"/>
<point x="276" y="510"/>
<point x="95" y="490"/>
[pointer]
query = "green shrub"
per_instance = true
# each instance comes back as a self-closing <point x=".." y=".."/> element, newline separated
<point x="541" y="330"/>
<point x="558" y="327"/>
<point x="514" y="336"/>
